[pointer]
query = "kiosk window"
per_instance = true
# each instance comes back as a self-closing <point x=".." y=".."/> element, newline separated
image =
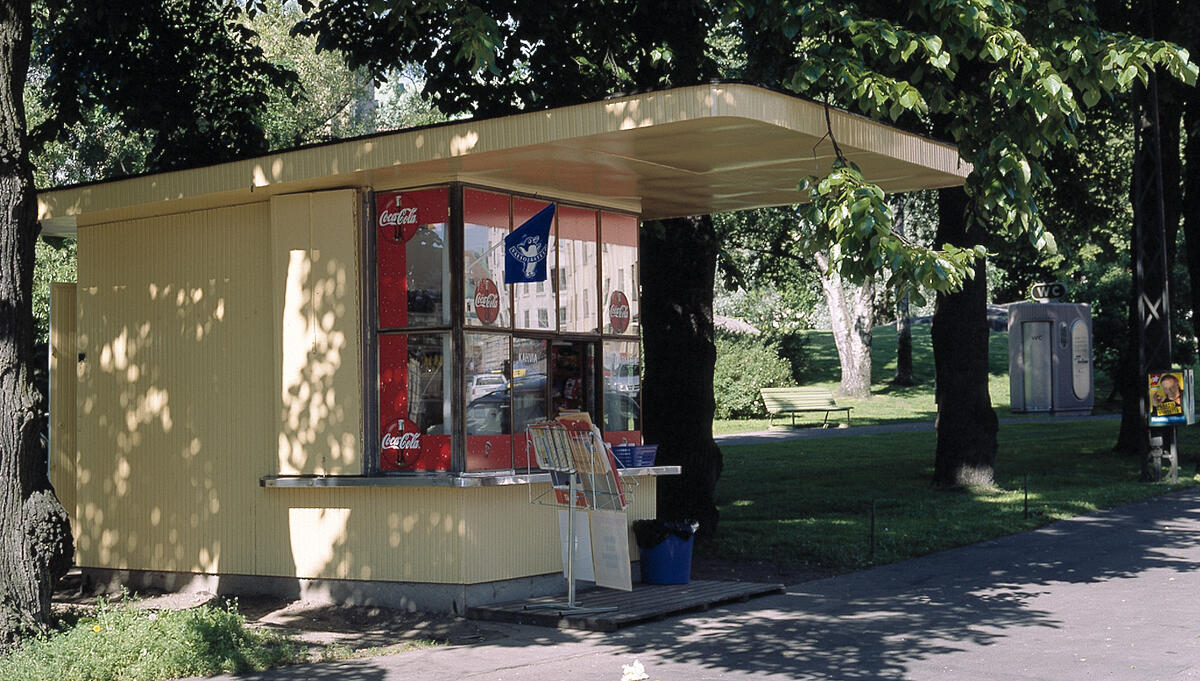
<point x="489" y="401"/>
<point x="413" y="258"/>
<point x="620" y="302"/>
<point x="414" y="412"/>
<point x="531" y="296"/>
<point x="577" y="258"/>
<point x="485" y="224"/>
<point x="622" y="393"/>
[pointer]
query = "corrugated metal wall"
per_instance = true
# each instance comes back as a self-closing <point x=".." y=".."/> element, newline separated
<point x="63" y="354"/>
<point x="317" y="333"/>
<point x="174" y="402"/>
<point x="222" y="345"/>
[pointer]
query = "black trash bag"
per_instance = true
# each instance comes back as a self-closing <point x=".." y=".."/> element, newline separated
<point x="651" y="533"/>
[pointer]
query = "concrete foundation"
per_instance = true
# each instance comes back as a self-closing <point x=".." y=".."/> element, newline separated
<point x="409" y="596"/>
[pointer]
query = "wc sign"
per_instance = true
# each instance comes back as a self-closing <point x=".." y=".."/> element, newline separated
<point x="1048" y="293"/>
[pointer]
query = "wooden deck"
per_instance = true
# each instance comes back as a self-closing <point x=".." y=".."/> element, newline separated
<point x="646" y="603"/>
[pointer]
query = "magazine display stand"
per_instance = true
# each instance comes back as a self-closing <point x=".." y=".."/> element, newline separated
<point x="583" y="475"/>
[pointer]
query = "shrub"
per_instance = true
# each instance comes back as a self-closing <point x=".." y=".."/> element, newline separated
<point x="126" y="643"/>
<point x="745" y="365"/>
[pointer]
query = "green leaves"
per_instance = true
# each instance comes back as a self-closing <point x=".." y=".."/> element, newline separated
<point x="849" y="219"/>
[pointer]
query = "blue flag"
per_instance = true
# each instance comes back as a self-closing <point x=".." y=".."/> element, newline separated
<point x="526" y="248"/>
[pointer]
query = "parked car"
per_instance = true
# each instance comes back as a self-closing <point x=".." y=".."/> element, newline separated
<point x="491" y="413"/>
<point x="627" y="379"/>
<point x="486" y="383"/>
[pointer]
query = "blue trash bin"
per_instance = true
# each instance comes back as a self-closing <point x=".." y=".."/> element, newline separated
<point x="666" y="550"/>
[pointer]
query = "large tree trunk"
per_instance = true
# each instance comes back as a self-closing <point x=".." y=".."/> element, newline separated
<point x="33" y="530"/>
<point x="966" y="422"/>
<point x="1191" y="197"/>
<point x="679" y="259"/>
<point x="1157" y="207"/>
<point x="851" y="311"/>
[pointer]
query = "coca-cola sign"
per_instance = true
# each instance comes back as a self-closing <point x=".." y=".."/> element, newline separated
<point x="401" y="444"/>
<point x="487" y="301"/>
<point x="618" y="312"/>
<point x="399" y="215"/>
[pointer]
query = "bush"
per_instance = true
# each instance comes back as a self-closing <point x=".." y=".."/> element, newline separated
<point x="127" y="643"/>
<point x="745" y="365"/>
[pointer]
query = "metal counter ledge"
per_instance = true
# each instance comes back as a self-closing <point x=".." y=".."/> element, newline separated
<point x="488" y="479"/>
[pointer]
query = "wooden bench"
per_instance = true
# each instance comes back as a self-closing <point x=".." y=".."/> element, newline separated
<point x="800" y="400"/>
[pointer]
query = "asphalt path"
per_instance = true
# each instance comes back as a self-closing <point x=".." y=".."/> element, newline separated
<point x="1110" y="595"/>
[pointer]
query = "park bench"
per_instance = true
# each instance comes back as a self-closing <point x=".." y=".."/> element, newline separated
<point x="799" y="401"/>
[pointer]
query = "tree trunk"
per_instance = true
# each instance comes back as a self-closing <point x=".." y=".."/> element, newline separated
<point x="1191" y="197"/>
<point x="966" y="422"/>
<point x="904" y="358"/>
<point x="33" y="531"/>
<point x="679" y="259"/>
<point x="851" y="311"/>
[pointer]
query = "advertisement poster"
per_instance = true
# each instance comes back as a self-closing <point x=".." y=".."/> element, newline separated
<point x="1171" y="401"/>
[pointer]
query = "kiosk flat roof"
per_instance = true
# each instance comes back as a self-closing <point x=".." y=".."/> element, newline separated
<point x="684" y="151"/>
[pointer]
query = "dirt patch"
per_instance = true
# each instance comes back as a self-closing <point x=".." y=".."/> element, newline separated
<point x="331" y="630"/>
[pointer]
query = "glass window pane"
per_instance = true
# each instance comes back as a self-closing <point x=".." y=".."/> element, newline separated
<point x="413" y="259"/>
<point x="414" y="409"/>
<point x="620" y="252"/>
<point x="577" y="260"/>
<point x="489" y="424"/>
<point x="622" y="393"/>
<point x="485" y="224"/>
<point x="528" y="300"/>
<point x="529" y="393"/>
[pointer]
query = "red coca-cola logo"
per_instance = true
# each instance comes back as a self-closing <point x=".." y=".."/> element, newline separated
<point x="487" y="301"/>
<point x="401" y="443"/>
<point x="618" y="311"/>
<point x="394" y="214"/>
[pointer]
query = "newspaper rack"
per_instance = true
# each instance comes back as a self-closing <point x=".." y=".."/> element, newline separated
<point x="583" y="474"/>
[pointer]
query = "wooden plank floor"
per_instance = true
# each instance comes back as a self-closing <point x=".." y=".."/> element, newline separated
<point x="646" y="603"/>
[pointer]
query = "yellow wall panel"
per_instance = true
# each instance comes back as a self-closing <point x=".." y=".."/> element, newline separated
<point x="63" y="353"/>
<point x="385" y="533"/>
<point x="174" y="403"/>
<point x="314" y="242"/>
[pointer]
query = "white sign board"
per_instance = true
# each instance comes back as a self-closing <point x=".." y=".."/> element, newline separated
<point x="610" y="550"/>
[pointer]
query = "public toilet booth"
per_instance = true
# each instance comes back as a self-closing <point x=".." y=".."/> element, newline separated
<point x="304" y="373"/>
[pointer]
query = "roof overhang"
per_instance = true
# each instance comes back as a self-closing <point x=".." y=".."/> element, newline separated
<point x="684" y="151"/>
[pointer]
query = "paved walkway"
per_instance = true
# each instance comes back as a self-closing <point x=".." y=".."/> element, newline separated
<point x="1113" y="595"/>
<point x="784" y="434"/>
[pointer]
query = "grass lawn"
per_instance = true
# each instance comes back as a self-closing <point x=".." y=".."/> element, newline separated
<point x="889" y="403"/>
<point x="809" y="501"/>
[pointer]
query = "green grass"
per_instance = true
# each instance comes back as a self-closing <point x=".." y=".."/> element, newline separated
<point x="125" y="643"/>
<point x="809" y="501"/>
<point x="890" y="403"/>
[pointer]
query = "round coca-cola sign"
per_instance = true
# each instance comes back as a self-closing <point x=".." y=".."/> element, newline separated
<point x="487" y="301"/>
<point x="396" y="217"/>
<point x="618" y="311"/>
<point x="401" y="443"/>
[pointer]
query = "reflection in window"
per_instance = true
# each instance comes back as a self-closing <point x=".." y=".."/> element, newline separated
<point x="620" y="302"/>
<point x="532" y="296"/>
<point x="413" y="407"/>
<point x="528" y="391"/>
<point x="488" y="413"/>
<point x="622" y="392"/>
<point x="485" y="224"/>
<point x="413" y="259"/>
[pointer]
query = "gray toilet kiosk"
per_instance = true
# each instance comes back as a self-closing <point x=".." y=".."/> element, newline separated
<point x="1050" y="358"/>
